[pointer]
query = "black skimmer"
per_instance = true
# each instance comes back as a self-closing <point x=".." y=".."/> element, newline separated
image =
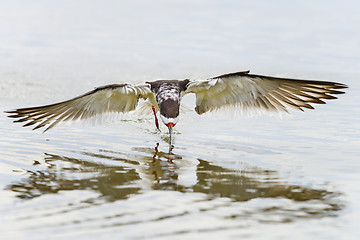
<point x="240" y="89"/>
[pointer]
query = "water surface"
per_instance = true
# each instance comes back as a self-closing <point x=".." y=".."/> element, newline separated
<point x="228" y="177"/>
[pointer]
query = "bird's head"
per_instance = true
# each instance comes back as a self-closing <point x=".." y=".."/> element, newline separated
<point x="169" y="122"/>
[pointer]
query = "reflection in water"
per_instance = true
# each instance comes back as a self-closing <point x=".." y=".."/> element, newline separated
<point x="66" y="173"/>
<point x="240" y="186"/>
<point x="117" y="176"/>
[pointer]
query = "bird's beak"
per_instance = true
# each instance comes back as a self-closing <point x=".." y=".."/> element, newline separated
<point x="170" y="126"/>
<point x="170" y="132"/>
<point x="170" y="129"/>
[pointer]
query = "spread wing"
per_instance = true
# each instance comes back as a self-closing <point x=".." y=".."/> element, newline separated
<point x="250" y="91"/>
<point x="105" y="99"/>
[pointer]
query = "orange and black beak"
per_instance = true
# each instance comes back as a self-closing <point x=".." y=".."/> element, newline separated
<point x="170" y="126"/>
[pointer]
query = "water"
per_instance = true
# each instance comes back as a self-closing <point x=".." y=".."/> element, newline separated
<point x="265" y="177"/>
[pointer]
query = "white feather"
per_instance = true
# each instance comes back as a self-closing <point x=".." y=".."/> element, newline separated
<point x="248" y="92"/>
<point x="234" y="90"/>
<point x="116" y="98"/>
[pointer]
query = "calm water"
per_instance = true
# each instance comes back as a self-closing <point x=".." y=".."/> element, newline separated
<point x="266" y="177"/>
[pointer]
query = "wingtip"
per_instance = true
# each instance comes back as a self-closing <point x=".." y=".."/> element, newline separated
<point x="341" y="86"/>
<point x="10" y="111"/>
<point x="13" y="116"/>
<point x="38" y="126"/>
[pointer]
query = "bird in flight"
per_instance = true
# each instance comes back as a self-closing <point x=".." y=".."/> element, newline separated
<point x="240" y="89"/>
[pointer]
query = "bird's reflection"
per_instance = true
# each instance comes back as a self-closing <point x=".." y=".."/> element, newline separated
<point x="68" y="173"/>
<point x="116" y="175"/>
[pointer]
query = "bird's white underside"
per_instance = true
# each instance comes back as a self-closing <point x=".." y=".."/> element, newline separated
<point x="169" y="120"/>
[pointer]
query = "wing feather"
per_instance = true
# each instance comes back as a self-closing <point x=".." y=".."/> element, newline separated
<point x="105" y="99"/>
<point x="250" y="91"/>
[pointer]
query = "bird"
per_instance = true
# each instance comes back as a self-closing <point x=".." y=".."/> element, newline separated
<point x="240" y="90"/>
